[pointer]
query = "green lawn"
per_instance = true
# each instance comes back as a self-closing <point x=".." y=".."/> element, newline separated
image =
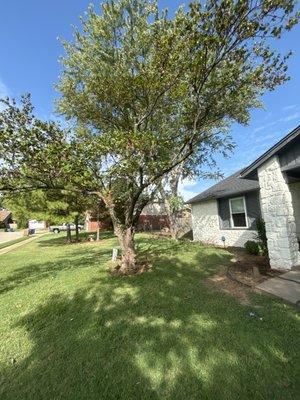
<point x="68" y="330"/>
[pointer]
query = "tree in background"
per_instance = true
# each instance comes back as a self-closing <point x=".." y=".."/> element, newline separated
<point x="52" y="206"/>
<point x="30" y="205"/>
<point x="38" y="175"/>
<point x="99" y="212"/>
<point x="146" y="91"/>
<point x="200" y="165"/>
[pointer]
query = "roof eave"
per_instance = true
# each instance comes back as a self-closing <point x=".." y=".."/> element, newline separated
<point x="237" y="193"/>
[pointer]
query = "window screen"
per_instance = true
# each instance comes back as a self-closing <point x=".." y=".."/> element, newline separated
<point x="238" y="213"/>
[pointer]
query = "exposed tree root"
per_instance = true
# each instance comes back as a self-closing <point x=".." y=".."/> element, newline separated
<point x="139" y="268"/>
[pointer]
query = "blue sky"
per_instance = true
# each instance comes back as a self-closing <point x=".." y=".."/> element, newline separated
<point x="29" y="63"/>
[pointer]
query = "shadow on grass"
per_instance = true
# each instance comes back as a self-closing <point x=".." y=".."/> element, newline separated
<point x="160" y="252"/>
<point x="35" y="272"/>
<point x="60" y="239"/>
<point x="159" y="335"/>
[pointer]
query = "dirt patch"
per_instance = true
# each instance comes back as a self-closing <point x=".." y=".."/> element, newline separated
<point x="223" y="283"/>
<point x="242" y="275"/>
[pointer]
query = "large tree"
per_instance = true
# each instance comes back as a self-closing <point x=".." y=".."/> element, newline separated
<point x="149" y="90"/>
<point x="145" y="92"/>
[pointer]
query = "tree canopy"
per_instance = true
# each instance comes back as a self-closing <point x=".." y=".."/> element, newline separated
<point x="146" y="92"/>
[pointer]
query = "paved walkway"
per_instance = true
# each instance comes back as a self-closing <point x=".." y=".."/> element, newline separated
<point x="287" y="286"/>
<point x="8" y="236"/>
<point x="16" y="245"/>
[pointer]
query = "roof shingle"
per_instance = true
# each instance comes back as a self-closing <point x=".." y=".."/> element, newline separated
<point x="233" y="185"/>
<point x="4" y="214"/>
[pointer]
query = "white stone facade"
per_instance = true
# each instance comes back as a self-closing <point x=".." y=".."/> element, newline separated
<point x="278" y="214"/>
<point x="295" y="191"/>
<point x="206" y="227"/>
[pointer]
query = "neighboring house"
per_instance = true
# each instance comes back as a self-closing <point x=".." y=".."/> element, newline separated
<point x="5" y="219"/>
<point x="153" y="217"/>
<point x="92" y="223"/>
<point x="268" y="188"/>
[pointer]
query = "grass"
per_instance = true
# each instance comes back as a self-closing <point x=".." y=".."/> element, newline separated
<point x="14" y="241"/>
<point x="70" y="331"/>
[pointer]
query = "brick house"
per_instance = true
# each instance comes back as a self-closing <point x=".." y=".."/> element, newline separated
<point x="268" y="188"/>
<point x="152" y="218"/>
<point x="5" y="219"/>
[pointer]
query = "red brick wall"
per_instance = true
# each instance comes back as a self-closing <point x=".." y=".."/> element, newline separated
<point x="146" y="223"/>
<point x="92" y="226"/>
<point x="153" y="222"/>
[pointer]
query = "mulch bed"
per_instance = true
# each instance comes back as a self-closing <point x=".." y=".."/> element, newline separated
<point x="244" y="272"/>
<point x="249" y="270"/>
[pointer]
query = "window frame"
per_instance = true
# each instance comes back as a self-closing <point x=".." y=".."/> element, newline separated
<point x="245" y="212"/>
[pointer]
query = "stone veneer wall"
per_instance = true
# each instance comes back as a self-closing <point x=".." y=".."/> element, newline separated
<point x="295" y="191"/>
<point x="278" y="214"/>
<point x="206" y="227"/>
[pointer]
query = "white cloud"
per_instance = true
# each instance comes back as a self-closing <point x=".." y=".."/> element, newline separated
<point x="267" y="138"/>
<point x="4" y="92"/>
<point x="3" y="89"/>
<point x="290" y="117"/>
<point x="261" y="128"/>
<point x="291" y="107"/>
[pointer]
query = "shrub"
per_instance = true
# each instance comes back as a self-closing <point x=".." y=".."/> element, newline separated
<point x="252" y="247"/>
<point x="262" y="236"/>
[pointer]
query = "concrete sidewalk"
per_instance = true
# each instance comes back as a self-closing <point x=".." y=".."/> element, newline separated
<point x="287" y="286"/>
<point x="8" y="236"/>
<point x="17" y="245"/>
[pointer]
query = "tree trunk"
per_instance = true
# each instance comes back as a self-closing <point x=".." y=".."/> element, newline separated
<point x="69" y="235"/>
<point x="169" y="196"/>
<point x="174" y="221"/>
<point x="128" y="257"/>
<point x="98" y="228"/>
<point x="76" y="227"/>
<point x="125" y="233"/>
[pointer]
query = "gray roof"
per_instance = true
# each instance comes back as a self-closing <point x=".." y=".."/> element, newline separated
<point x="233" y="185"/>
<point x="239" y="183"/>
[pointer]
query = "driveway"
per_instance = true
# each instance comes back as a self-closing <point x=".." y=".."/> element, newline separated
<point x="7" y="236"/>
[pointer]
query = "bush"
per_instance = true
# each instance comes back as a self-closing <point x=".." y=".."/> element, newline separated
<point x="252" y="247"/>
<point x="262" y="236"/>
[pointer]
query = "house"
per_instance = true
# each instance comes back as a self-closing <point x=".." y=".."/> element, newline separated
<point x="268" y="188"/>
<point x="93" y="222"/>
<point x="153" y="217"/>
<point x="5" y="219"/>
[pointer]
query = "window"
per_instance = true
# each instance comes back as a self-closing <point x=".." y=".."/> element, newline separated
<point x="238" y="214"/>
